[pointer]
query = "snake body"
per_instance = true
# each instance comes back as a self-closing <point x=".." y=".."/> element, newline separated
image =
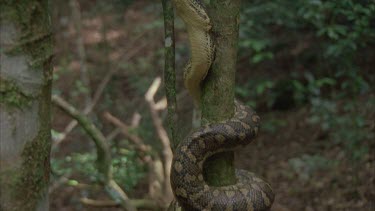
<point x="187" y="180"/>
<point x="198" y="26"/>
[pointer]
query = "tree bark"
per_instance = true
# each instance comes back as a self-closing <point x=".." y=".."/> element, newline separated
<point x="25" y="102"/>
<point x="218" y="87"/>
<point x="169" y="70"/>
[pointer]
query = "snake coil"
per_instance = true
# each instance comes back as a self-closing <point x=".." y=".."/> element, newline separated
<point x="187" y="180"/>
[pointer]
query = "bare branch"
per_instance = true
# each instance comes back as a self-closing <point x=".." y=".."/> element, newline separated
<point x="125" y="129"/>
<point x="136" y="120"/>
<point x="103" y="153"/>
<point x="161" y="104"/>
<point x="163" y="136"/>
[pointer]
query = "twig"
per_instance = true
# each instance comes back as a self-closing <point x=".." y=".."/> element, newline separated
<point x="103" y="153"/>
<point x="98" y="93"/>
<point x="161" y="104"/>
<point x="125" y="129"/>
<point x="96" y="135"/>
<point x="136" y="120"/>
<point x="163" y="136"/>
<point x="112" y="135"/>
<point x="117" y="194"/>
<point x="138" y="203"/>
<point x="99" y="203"/>
<point x="157" y="177"/>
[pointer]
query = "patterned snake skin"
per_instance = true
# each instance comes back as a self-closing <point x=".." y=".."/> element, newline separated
<point x="188" y="184"/>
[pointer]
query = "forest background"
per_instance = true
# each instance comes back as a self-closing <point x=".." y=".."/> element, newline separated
<point x="307" y="66"/>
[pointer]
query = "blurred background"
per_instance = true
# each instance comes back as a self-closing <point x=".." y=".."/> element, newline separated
<point x="307" y="66"/>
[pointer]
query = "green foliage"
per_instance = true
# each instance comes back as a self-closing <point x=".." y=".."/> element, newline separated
<point x="11" y="95"/>
<point x="346" y="24"/>
<point x="127" y="170"/>
<point x="279" y="94"/>
<point x="259" y="48"/>
<point x="306" y="165"/>
<point x="352" y="82"/>
<point x="343" y="26"/>
<point x="79" y="89"/>
<point x="325" y="38"/>
<point x="312" y="88"/>
<point x="273" y="125"/>
<point x="254" y="89"/>
<point x="346" y="126"/>
<point x="256" y="36"/>
<point x="323" y="52"/>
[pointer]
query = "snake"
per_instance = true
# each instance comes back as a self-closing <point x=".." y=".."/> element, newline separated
<point x="188" y="183"/>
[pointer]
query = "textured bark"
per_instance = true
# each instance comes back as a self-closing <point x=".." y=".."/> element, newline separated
<point x="218" y="87"/>
<point x="169" y="70"/>
<point x="25" y="91"/>
<point x="170" y="77"/>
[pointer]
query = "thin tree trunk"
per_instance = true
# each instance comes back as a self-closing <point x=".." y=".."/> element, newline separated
<point x="218" y="88"/>
<point x="169" y="70"/>
<point x="25" y="92"/>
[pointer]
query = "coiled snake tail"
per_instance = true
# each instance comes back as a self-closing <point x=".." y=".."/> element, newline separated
<point x="188" y="184"/>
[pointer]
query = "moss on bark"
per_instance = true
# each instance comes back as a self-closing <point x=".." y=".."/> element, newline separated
<point x="32" y="184"/>
<point x="29" y="182"/>
<point x="31" y="20"/>
<point x="12" y="96"/>
<point x="32" y="178"/>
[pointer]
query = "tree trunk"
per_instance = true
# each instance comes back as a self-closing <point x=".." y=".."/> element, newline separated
<point x="25" y="92"/>
<point x="218" y="87"/>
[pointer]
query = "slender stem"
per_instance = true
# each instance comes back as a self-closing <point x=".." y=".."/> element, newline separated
<point x="169" y="70"/>
<point x="104" y="157"/>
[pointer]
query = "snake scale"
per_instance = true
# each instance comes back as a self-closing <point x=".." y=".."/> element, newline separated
<point x="187" y="180"/>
